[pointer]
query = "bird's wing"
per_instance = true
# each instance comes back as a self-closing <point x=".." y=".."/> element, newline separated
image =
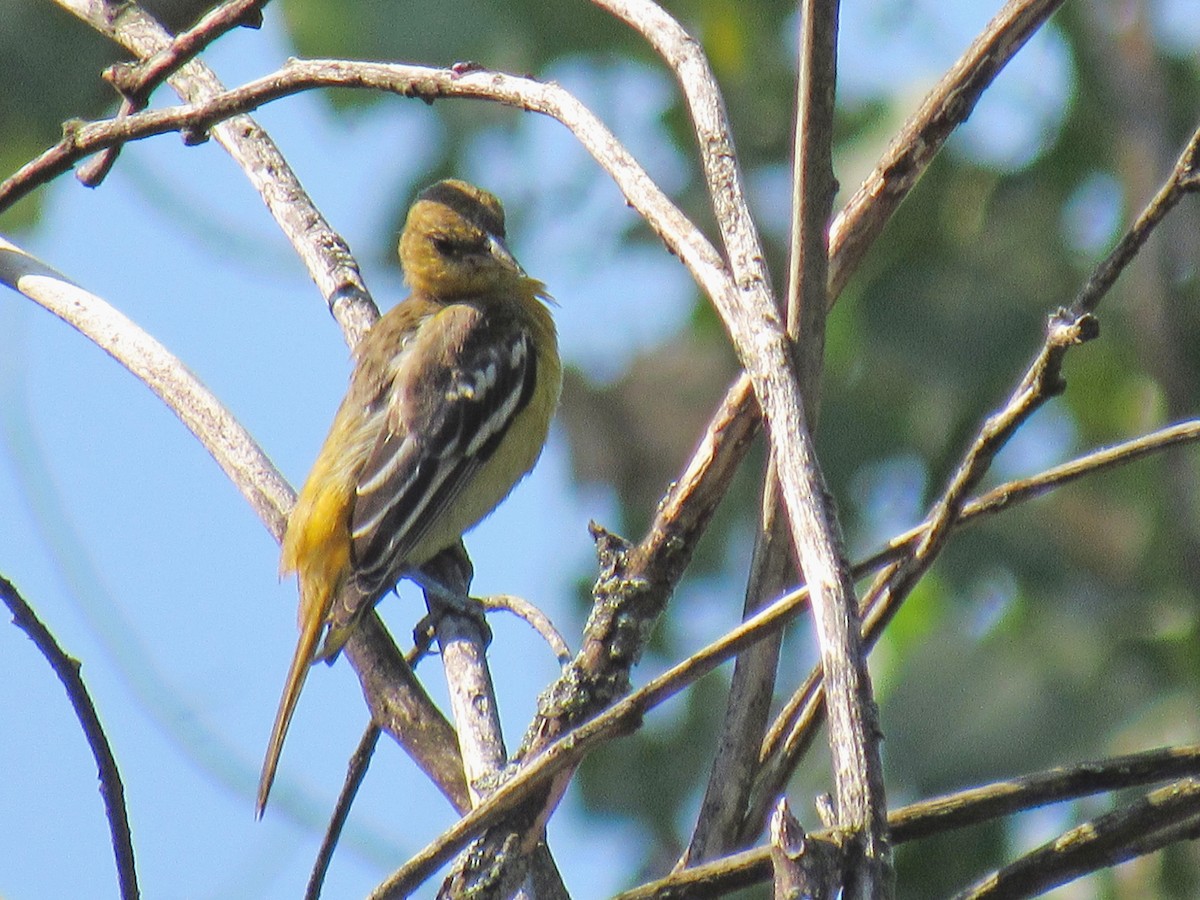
<point x="452" y="403"/>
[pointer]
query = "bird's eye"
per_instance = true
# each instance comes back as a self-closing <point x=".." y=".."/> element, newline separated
<point x="446" y="245"/>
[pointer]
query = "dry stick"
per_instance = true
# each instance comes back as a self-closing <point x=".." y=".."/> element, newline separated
<point x="217" y="110"/>
<point x="112" y="792"/>
<point x="405" y="712"/>
<point x="752" y="685"/>
<point x="400" y="705"/>
<point x="533" y="617"/>
<point x="923" y="135"/>
<point x="360" y="760"/>
<point x="947" y="105"/>
<point x="137" y="81"/>
<point x="472" y="695"/>
<point x="321" y="249"/>
<point x="763" y="349"/>
<point x="1100" y="843"/>
<point x="1019" y="490"/>
<point x="625" y="715"/>
<point x="356" y="770"/>
<point x="796" y="724"/>
<point x="947" y="813"/>
<point x="852" y="232"/>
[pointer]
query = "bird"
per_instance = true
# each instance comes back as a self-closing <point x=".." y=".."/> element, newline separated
<point x="449" y="406"/>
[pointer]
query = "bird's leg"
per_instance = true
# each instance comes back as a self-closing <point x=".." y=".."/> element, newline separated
<point x="446" y="581"/>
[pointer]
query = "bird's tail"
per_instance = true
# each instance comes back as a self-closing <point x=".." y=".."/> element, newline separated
<point x="301" y="662"/>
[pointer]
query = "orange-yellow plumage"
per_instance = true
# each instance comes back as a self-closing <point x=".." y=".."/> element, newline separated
<point x="449" y="406"/>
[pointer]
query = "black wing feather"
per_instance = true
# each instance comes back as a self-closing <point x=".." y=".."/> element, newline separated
<point x="419" y="468"/>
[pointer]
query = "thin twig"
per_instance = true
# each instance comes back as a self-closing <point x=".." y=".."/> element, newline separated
<point x="137" y="81"/>
<point x="360" y="761"/>
<point x="1100" y="843"/>
<point x="400" y="705"/>
<point x="752" y="684"/>
<point x="796" y="724"/>
<point x="112" y="792"/>
<point x="320" y="248"/>
<point x="356" y="770"/>
<point x="926" y="132"/>
<point x="533" y="617"/>
<point x="947" y="813"/>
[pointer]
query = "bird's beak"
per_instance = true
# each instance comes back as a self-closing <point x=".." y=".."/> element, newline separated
<point x="500" y="251"/>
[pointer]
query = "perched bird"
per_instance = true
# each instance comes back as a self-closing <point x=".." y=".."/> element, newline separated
<point x="449" y="405"/>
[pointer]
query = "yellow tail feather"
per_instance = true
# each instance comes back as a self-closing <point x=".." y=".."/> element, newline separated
<point x="301" y="662"/>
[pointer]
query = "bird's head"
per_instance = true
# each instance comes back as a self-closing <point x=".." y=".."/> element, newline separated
<point x="453" y="243"/>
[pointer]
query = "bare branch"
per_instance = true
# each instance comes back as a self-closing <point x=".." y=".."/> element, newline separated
<point x="947" y="813"/>
<point x="235" y="451"/>
<point x="400" y="705"/>
<point x="752" y="686"/>
<point x="137" y="81"/>
<point x="758" y="336"/>
<point x="320" y="248"/>
<point x="112" y="792"/>
<point x="796" y="724"/>
<point x="356" y="770"/>
<point x="925" y="133"/>
<point x="866" y="214"/>
<point x="533" y="617"/>
<point x="464" y="658"/>
<point x="1184" y="179"/>
<point x="1103" y="842"/>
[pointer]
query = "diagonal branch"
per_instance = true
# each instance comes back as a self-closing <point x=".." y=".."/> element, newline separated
<point x="795" y="726"/>
<point x="1171" y="812"/>
<point x="320" y="248"/>
<point x="949" y="812"/>
<point x="400" y="706"/>
<point x="137" y="81"/>
<point x="753" y="682"/>
<point x="925" y="133"/>
<point x="112" y="792"/>
<point x="763" y="348"/>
